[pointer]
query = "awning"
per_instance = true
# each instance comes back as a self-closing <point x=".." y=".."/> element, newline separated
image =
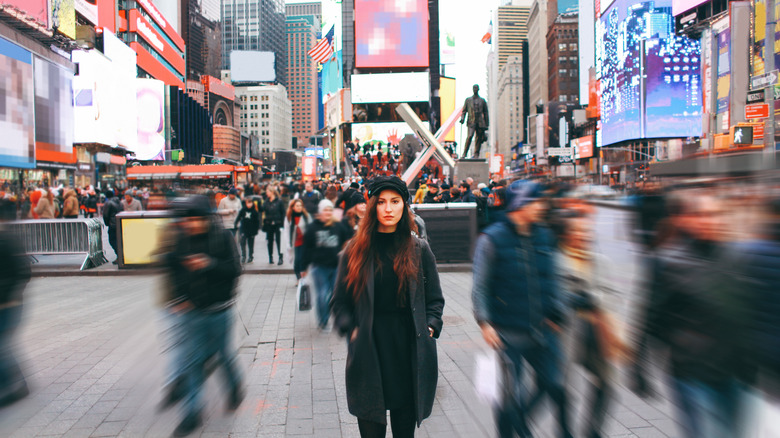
<point x="207" y="171"/>
<point x="152" y="172"/>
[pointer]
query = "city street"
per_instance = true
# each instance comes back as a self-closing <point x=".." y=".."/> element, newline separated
<point x="92" y="355"/>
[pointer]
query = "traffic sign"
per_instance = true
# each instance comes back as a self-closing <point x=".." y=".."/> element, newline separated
<point x="757" y="111"/>
<point x="559" y="152"/>
<point x="764" y="80"/>
<point x="756" y="96"/>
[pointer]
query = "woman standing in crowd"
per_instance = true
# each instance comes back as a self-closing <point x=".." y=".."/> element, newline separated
<point x="322" y="243"/>
<point x="389" y="303"/>
<point x="45" y="207"/>
<point x="248" y="223"/>
<point x="70" y="207"/>
<point x="297" y="220"/>
<point x="273" y="208"/>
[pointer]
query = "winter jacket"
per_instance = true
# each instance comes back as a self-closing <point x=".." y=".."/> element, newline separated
<point x="134" y="205"/>
<point x="515" y="284"/>
<point x="14" y="270"/>
<point x="111" y="208"/>
<point x="363" y="376"/>
<point x="273" y="215"/>
<point x="71" y="205"/>
<point x="311" y="201"/>
<point x="211" y="288"/>
<point x="322" y="244"/>
<point x="291" y="228"/>
<point x="248" y="221"/>
<point x="232" y="207"/>
<point x="45" y="208"/>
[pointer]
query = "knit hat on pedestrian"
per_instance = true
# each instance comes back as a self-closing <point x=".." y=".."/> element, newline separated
<point x="354" y="199"/>
<point x="232" y="191"/>
<point x="382" y="183"/>
<point x="191" y="206"/>
<point x="325" y="203"/>
<point x="521" y="193"/>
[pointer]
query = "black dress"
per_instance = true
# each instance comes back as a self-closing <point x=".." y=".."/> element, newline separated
<point x="393" y="330"/>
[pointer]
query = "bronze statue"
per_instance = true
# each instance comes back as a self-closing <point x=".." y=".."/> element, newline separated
<point x="477" y="110"/>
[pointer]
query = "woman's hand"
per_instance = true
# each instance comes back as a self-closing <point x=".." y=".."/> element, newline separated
<point x="491" y="337"/>
<point x="430" y="331"/>
<point x="353" y="336"/>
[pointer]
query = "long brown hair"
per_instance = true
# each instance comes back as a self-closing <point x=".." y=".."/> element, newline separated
<point x="290" y="210"/>
<point x="362" y="251"/>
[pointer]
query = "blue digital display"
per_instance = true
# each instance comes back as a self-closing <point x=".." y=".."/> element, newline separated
<point x="650" y="79"/>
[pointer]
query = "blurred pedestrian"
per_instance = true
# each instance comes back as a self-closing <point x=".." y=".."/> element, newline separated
<point x="70" y="207"/>
<point x="130" y="203"/>
<point x="203" y="269"/>
<point x="322" y="243"/>
<point x="355" y="211"/>
<point x="296" y="222"/>
<point x="388" y="302"/>
<point x="596" y="344"/>
<point x="311" y="198"/>
<point x="273" y="220"/>
<point x="248" y="223"/>
<point x="517" y="305"/>
<point x="111" y="208"/>
<point x="229" y="207"/>
<point x="14" y="275"/>
<point x="45" y="208"/>
<point x="693" y="312"/>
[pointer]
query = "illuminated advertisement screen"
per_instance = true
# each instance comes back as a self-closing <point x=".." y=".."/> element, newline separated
<point x="123" y="60"/>
<point x="383" y="133"/>
<point x="391" y="87"/>
<point x="94" y="101"/>
<point x="150" y="100"/>
<point x="53" y="112"/>
<point x="664" y="100"/>
<point x="680" y="6"/>
<point x="17" y="116"/>
<point x="391" y="33"/>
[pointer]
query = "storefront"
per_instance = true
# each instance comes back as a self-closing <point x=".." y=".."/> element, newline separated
<point x="54" y="174"/>
<point x="111" y="170"/>
<point x="11" y="179"/>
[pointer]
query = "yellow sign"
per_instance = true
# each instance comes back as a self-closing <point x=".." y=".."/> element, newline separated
<point x="141" y="238"/>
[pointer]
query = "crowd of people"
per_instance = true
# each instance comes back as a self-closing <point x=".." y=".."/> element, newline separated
<point x="545" y="299"/>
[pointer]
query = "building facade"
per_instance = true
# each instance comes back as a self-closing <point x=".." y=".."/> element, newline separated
<point x="537" y="54"/>
<point x="512" y="30"/>
<point x="563" y="59"/>
<point x="257" y="25"/>
<point x="267" y="113"/>
<point x="510" y="117"/>
<point x="302" y="76"/>
<point x="202" y="33"/>
<point x="310" y="8"/>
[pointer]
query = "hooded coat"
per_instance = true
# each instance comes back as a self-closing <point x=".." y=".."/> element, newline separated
<point x="363" y="376"/>
<point x="70" y="207"/>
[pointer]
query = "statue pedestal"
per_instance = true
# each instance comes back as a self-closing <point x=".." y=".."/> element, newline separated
<point x="476" y="168"/>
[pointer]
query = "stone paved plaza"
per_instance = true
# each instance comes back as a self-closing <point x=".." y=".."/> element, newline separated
<point x="91" y="351"/>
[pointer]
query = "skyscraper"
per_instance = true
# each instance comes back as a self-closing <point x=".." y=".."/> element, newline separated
<point x="255" y="25"/>
<point x="302" y="76"/>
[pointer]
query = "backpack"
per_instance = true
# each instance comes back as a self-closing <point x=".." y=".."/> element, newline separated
<point x="496" y="198"/>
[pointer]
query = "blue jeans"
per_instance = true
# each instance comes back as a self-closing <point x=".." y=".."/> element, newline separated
<point x="209" y="336"/>
<point x="174" y="338"/>
<point x="707" y="409"/>
<point x="545" y="356"/>
<point x="11" y="378"/>
<point x="323" y="279"/>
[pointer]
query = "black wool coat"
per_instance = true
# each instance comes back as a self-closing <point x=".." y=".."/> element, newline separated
<point x="365" y="397"/>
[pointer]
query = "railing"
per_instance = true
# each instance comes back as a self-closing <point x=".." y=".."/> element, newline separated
<point x="62" y="236"/>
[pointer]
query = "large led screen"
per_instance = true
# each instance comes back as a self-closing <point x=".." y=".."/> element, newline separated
<point x="650" y="93"/>
<point x="150" y="94"/>
<point x="384" y="133"/>
<point x="53" y="112"/>
<point x="391" y="87"/>
<point x="94" y="102"/>
<point x="123" y="60"/>
<point x="680" y="6"/>
<point x="391" y="33"/>
<point x="17" y="116"/>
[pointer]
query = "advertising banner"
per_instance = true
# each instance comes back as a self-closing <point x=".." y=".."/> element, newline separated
<point x="53" y="112"/>
<point x="724" y="70"/>
<point x="309" y="171"/>
<point x="383" y="133"/>
<point x="150" y="98"/>
<point x="38" y="10"/>
<point x="332" y="77"/>
<point x="123" y="60"/>
<point x="63" y="17"/>
<point x="387" y="35"/>
<point x="88" y="9"/>
<point x="96" y="113"/>
<point x="448" y="103"/>
<point x="17" y="100"/>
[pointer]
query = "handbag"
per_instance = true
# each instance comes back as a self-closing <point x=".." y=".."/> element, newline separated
<point x="487" y="378"/>
<point x="304" y="295"/>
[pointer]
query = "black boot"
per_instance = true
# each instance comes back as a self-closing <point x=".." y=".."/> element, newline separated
<point x="270" y="259"/>
<point x="281" y="259"/>
<point x="187" y="425"/>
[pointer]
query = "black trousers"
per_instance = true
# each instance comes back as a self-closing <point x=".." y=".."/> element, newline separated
<point x="274" y="234"/>
<point x="247" y="240"/>
<point x="402" y="423"/>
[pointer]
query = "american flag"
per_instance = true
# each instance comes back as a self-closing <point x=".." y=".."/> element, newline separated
<point x="323" y="51"/>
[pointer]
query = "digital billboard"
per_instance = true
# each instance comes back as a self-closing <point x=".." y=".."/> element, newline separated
<point x="150" y="98"/>
<point x="53" y="112"/>
<point x="94" y="105"/>
<point x="391" y="87"/>
<point x="63" y="17"/>
<point x="252" y="66"/>
<point x="680" y="6"/>
<point x="391" y="33"/>
<point x="17" y="115"/>
<point x="125" y="70"/>
<point x="650" y="79"/>
<point x="332" y="77"/>
<point x="382" y="132"/>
